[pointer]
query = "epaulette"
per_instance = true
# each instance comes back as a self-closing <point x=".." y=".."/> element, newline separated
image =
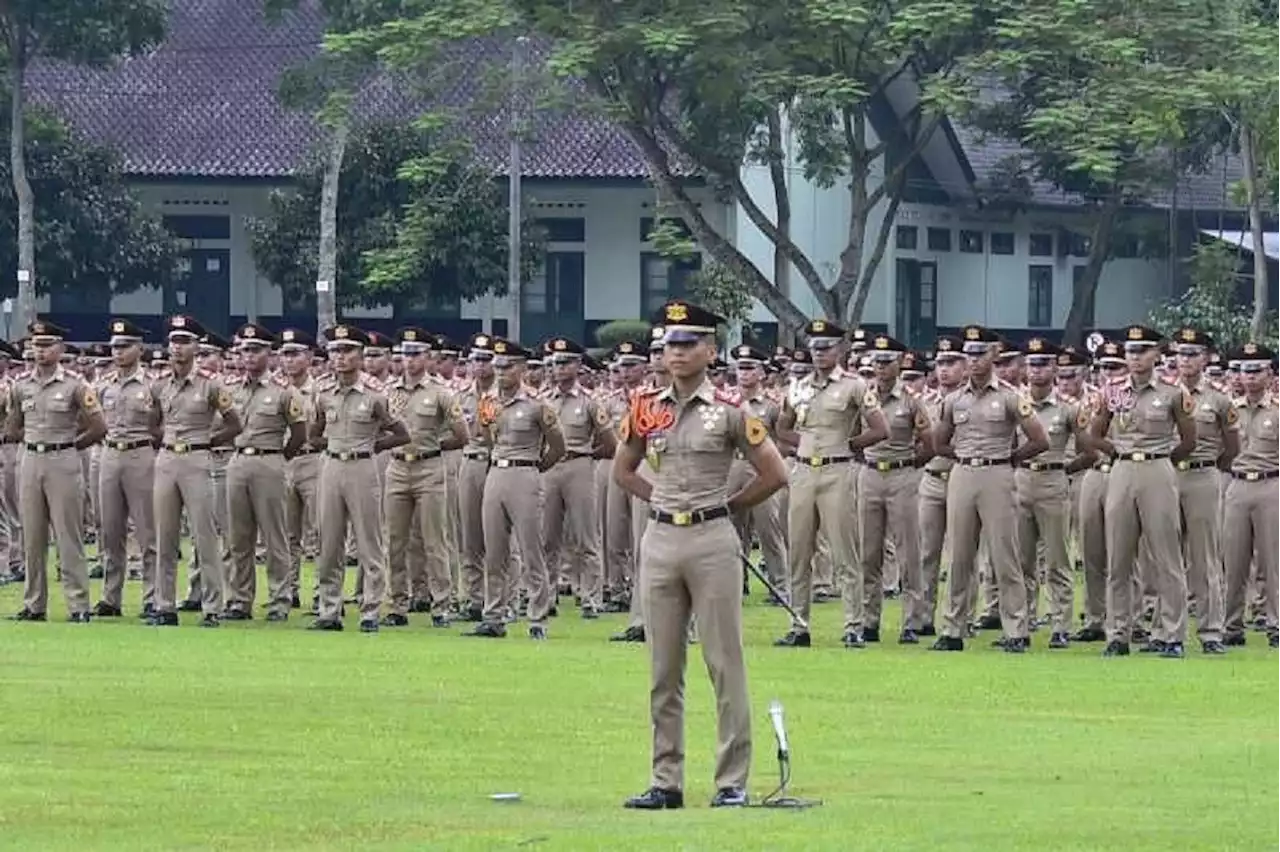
<point x="324" y="385"/>
<point x="163" y="374"/>
<point x="207" y="374"/>
<point x="109" y="376"/>
<point x="369" y="382"/>
<point x="280" y="381"/>
<point x="730" y="397"/>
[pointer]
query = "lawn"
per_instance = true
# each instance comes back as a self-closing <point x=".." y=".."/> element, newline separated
<point x="257" y="736"/>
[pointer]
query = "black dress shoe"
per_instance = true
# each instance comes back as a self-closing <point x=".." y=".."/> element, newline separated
<point x="1173" y="651"/>
<point x="370" y="625"/>
<point x="395" y="619"/>
<point x="79" y="618"/>
<point x="948" y="643"/>
<point x="656" y="799"/>
<point x="1059" y="640"/>
<point x="237" y="614"/>
<point x="871" y="634"/>
<point x="794" y="639"/>
<point x="163" y="619"/>
<point x="295" y="602"/>
<point x="148" y="612"/>
<point x="1017" y="645"/>
<point x="853" y="640"/>
<point x="472" y="614"/>
<point x="589" y="613"/>
<point x="276" y="617"/>
<point x="538" y="633"/>
<point x="96" y="573"/>
<point x="210" y="620"/>
<point x="908" y="637"/>
<point x="326" y="624"/>
<point x="631" y="634"/>
<point x="1116" y="649"/>
<point x="102" y="609"/>
<point x="1273" y="640"/>
<point x="1234" y="640"/>
<point x="439" y="621"/>
<point x="25" y="614"/>
<point x="1139" y="634"/>
<point x="487" y="630"/>
<point x="1213" y="646"/>
<point x="419" y="605"/>
<point x="729" y="797"/>
<point x="189" y="606"/>
<point x="927" y="630"/>
<point x="1090" y="634"/>
<point x="1155" y="646"/>
<point x="989" y="622"/>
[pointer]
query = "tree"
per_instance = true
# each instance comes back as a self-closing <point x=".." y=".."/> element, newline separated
<point x="95" y="239"/>
<point x="1210" y="304"/>
<point x="89" y="32"/>
<point x="612" y="333"/>
<point x="405" y="233"/>
<point x="702" y="87"/>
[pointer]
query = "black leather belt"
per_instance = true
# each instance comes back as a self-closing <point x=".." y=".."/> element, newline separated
<point x="480" y="457"/>
<point x="572" y="456"/>
<point x="348" y="455"/>
<point x="126" y="446"/>
<point x="40" y="447"/>
<point x="411" y="456"/>
<point x="182" y="447"/>
<point x="976" y="462"/>
<point x="688" y="519"/>
<point x="886" y="466"/>
<point x="1141" y="457"/>
<point x="308" y="452"/>
<point x="10" y="441"/>
<point x="823" y="461"/>
<point x="256" y="451"/>
<point x="1041" y="466"/>
<point x="1186" y="464"/>
<point x="944" y="475"/>
<point x="514" y="463"/>
<point x="1254" y="475"/>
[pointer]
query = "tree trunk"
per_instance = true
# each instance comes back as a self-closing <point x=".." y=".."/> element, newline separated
<point x="1261" y="287"/>
<point x="1086" y="289"/>
<point x="327" y="263"/>
<point x="782" y="204"/>
<point x="26" y="272"/>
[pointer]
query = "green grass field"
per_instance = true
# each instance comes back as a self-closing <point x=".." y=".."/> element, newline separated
<point x="257" y="736"/>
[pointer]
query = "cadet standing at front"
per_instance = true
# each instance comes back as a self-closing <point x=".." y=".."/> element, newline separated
<point x="46" y="407"/>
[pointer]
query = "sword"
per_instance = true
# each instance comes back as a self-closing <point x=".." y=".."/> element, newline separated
<point x="773" y="590"/>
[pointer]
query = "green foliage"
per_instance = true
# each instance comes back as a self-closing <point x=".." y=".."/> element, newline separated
<point x="1210" y="303"/>
<point x="417" y="224"/>
<point x="93" y="236"/>
<point x="87" y="32"/>
<point x="716" y="288"/>
<point x="611" y="334"/>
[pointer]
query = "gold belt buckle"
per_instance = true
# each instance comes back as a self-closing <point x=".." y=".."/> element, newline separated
<point x="1105" y="468"/>
<point x="815" y="461"/>
<point x="249" y="451"/>
<point x="502" y="463"/>
<point x="410" y="457"/>
<point x="119" y="445"/>
<point x="883" y="466"/>
<point x="682" y="519"/>
<point x="344" y="456"/>
<point x="975" y="462"/>
<point x="944" y="475"/>
<point x="1252" y="476"/>
<point x="1184" y="465"/>
<point x="39" y="448"/>
<point x="179" y="447"/>
<point x="1139" y="457"/>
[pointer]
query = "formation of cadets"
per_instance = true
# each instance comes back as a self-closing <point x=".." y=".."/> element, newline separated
<point x="475" y="483"/>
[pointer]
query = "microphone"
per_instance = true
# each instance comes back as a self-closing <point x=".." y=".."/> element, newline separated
<point x="779" y="728"/>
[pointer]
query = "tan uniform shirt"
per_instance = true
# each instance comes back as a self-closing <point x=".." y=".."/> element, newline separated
<point x="50" y="408"/>
<point x="828" y="412"/>
<point x="127" y="405"/>
<point x="521" y="426"/>
<point x="354" y="416"/>
<point x="428" y="409"/>
<point x="1214" y="416"/>
<point x="907" y="417"/>
<point x="932" y="401"/>
<point x="267" y="406"/>
<point x="1056" y="414"/>
<point x="189" y="405"/>
<point x="481" y="437"/>
<point x="1259" y="425"/>
<point x="582" y="419"/>
<point x="1145" y="422"/>
<point x="985" y="419"/>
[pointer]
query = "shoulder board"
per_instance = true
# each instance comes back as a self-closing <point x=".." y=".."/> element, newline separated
<point x="109" y="376"/>
<point x="322" y="385"/>
<point x="729" y="397"/>
<point x="645" y="391"/>
<point x="280" y="381"/>
<point x="368" y="382"/>
<point x="206" y="374"/>
<point x="1240" y="402"/>
<point x="1003" y="385"/>
<point x="164" y="374"/>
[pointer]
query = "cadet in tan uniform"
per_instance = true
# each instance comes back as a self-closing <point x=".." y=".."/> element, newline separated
<point x="1200" y="485"/>
<point x="690" y="558"/>
<point x="302" y="469"/>
<point x="569" y="486"/>
<point x="10" y="527"/>
<point x="1250" y="528"/>
<point x="526" y="440"/>
<point x="1142" y="493"/>
<point x="888" y="489"/>
<point x="630" y="359"/>
<point x="414" y="494"/>
<point x="472" y="475"/>
<point x="188" y="399"/>
<point x="977" y="427"/>
<point x="825" y="418"/>
<point x="46" y="408"/>
<point x="444" y="365"/>
<point x="126" y="470"/>
<point x="951" y="369"/>
<point x="353" y="421"/>
<point x="274" y="429"/>
<point x="1044" y="492"/>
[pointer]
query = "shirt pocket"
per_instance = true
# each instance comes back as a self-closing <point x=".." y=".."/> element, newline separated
<point x="1156" y="413"/>
<point x="426" y="415"/>
<point x="60" y="404"/>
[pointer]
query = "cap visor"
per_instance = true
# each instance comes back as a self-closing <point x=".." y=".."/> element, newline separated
<point x="675" y="335"/>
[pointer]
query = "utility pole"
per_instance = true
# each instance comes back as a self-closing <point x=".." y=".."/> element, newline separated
<point x="514" y="202"/>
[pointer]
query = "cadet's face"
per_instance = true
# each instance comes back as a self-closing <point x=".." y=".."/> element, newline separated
<point x="1071" y="383"/>
<point x="182" y="349"/>
<point x="749" y="375"/>
<point x="509" y="375"/>
<point x="254" y="358"/>
<point x="377" y="363"/>
<point x="1256" y="383"/>
<point x="1141" y="359"/>
<point x="1192" y="364"/>
<point x="951" y="371"/>
<point x="533" y="375"/>
<point x="295" y="363"/>
<point x="886" y="371"/>
<point x="126" y="355"/>
<point x="48" y="354"/>
<point x="415" y="363"/>
<point x="346" y="359"/>
<point x="685" y="360"/>
<point x="1041" y="375"/>
<point x="566" y="371"/>
<point x="828" y="358"/>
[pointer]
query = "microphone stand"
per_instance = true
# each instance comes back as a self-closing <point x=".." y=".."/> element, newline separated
<point x="776" y="799"/>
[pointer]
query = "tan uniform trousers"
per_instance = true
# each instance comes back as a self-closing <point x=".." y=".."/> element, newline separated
<point x="1199" y="493"/>
<point x="569" y="506"/>
<point x="471" y="481"/>
<point x="89" y="476"/>
<point x="350" y="493"/>
<point x="11" y="555"/>
<point x="932" y="522"/>
<point x="512" y="503"/>
<point x="619" y="548"/>
<point x="453" y="517"/>
<point x="639" y="515"/>
<point x="302" y="479"/>
<point x="51" y="493"/>
<point x="1044" y="499"/>
<point x="125" y="481"/>
<point x="603" y="473"/>
<point x="981" y="504"/>
<point x="889" y="505"/>
<point x="820" y="500"/>
<point x="1093" y="546"/>
<point x="256" y="506"/>
<point x="183" y="481"/>
<point x="1249" y="535"/>
<point x="218" y="461"/>
<point x="414" y="499"/>
<point x="693" y="572"/>
<point x="768" y="524"/>
<point x="1142" y="509"/>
